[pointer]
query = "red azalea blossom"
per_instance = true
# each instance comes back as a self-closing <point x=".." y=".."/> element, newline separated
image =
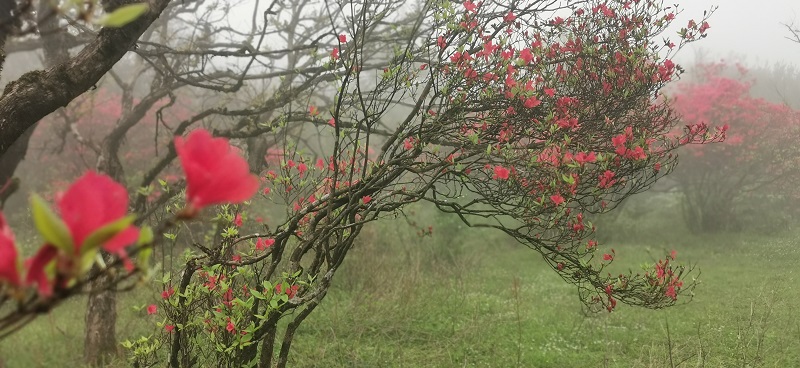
<point x="169" y="328"/>
<point x="90" y="203"/>
<point x="36" y="269"/>
<point x="526" y="56"/>
<point x="9" y="270"/>
<point x="342" y="38"/>
<point x="608" y="257"/>
<point x="152" y="309"/>
<point x="166" y="294"/>
<point x="238" y="220"/>
<point x="470" y="6"/>
<point x="500" y="173"/>
<point x="408" y="143"/>
<point x="93" y="201"/>
<point x="557" y="199"/>
<point x="262" y="244"/>
<point x="292" y="291"/>
<point x="532" y="102"/>
<point x="215" y="173"/>
<point x="607" y="179"/>
<point x="366" y="199"/>
<point x="671" y="292"/>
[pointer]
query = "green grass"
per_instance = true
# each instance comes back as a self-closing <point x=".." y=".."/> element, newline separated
<point x="469" y="300"/>
<point x="472" y="315"/>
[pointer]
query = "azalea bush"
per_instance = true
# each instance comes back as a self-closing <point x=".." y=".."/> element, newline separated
<point x="754" y="170"/>
<point x="524" y="119"/>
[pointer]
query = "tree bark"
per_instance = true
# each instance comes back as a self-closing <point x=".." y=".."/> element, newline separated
<point x="100" y="341"/>
<point x="38" y="93"/>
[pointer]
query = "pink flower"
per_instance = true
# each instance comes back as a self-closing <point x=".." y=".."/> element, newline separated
<point x="292" y="291"/>
<point x="606" y="180"/>
<point x="166" y="294"/>
<point x="608" y="257"/>
<point x="37" y="274"/>
<point x="342" y="38"/>
<point x="262" y="244"/>
<point x="231" y="328"/>
<point x="93" y="201"/>
<point x="302" y="168"/>
<point x="89" y="204"/>
<point x="501" y="173"/>
<point x="169" y="328"/>
<point x="9" y="269"/>
<point x="557" y="199"/>
<point x="618" y="140"/>
<point x="366" y="199"/>
<point x="532" y="102"/>
<point x="470" y="6"/>
<point x="408" y="144"/>
<point x="214" y="172"/>
<point x="152" y="309"/>
<point x="671" y="292"/>
<point x="526" y="55"/>
<point x="583" y="157"/>
<point x="238" y="220"/>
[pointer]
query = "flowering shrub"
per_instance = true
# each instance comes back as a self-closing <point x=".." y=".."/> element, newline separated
<point x="757" y="161"/>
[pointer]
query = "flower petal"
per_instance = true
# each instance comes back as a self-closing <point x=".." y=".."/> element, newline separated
<point x="9" y="270"/>
<point x="37" y="272"/>
<point x="215" y="173"/>
<point x="92" y="201"/>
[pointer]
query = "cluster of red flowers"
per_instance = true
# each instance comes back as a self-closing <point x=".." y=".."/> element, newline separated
<point x="93" y="216"/>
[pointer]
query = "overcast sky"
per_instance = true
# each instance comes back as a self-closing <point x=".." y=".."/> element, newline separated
<point x="746" y="29"/>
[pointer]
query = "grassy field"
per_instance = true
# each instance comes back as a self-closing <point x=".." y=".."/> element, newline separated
<point x="480" y="301"/>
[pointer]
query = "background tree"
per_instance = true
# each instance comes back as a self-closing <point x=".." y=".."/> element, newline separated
<point x="757" y="164"/>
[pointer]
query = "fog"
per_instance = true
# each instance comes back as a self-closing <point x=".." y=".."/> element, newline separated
<point x="752" y="32"/>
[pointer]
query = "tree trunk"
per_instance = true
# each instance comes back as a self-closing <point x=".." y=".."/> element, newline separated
<point x="101" y="320"/>
<point x="100" y="339"/>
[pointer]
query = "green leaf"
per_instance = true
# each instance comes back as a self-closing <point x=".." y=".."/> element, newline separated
<point x="144" y="257"/>
<point x="53" y="229"/>
<point x="123" y="15"/>
<point x="103" y="234"/>
<point x="145" y="235"/>
<point x="258" y="294"/>
<point x="87" y="260"/>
